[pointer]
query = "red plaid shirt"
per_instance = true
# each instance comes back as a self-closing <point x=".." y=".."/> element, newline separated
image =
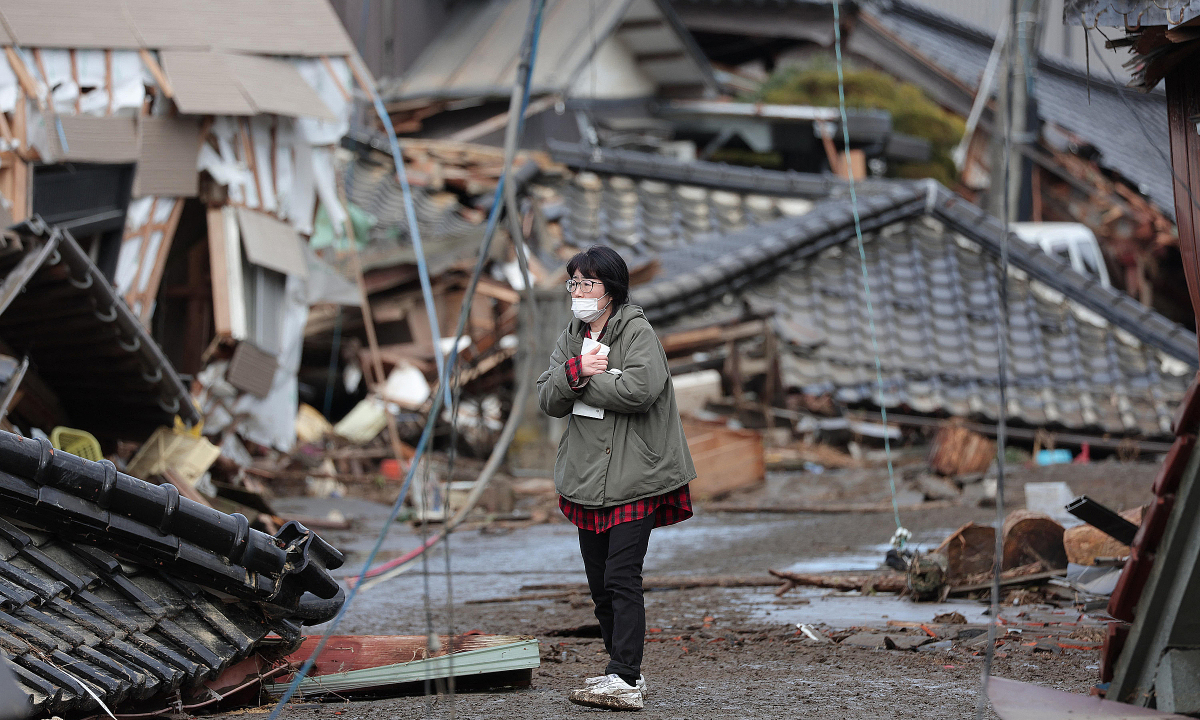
<point x="667" y="509"/>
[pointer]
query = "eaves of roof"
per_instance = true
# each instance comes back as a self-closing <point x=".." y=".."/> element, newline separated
<point x="761" y="253"/>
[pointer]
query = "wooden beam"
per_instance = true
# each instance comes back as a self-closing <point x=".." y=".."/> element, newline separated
<point x="157" y="73"/>
<point x="1183" y="103"/>
<point x="336" y="80"/>
<point x="222" y="319"/>
<point x="24" y="78"/>
<point x="21" y="175"/>
<point x="108" y="76"/>
<point x="497" y="122"/>
<point x="149" y="293"/>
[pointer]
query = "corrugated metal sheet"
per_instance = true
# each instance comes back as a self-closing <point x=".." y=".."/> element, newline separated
<point x="167" y="151"/>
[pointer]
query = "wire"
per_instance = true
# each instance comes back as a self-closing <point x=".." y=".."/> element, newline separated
<point x="981" y="703"/>
<point x="900" y="536"/>
<point x="446" y="367"/>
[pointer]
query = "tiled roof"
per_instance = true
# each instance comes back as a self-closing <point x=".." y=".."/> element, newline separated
<point x="113" y="587"/>
<point x="1091" y="108"/>
<point x="1082" y="356"/>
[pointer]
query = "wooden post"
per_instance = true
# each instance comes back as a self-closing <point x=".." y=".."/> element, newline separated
<point x="222" y="320"/>
<point x="400" y="450"/>
<point x="733" y="368"/>
<point x="771" y="356"/>
<point x="1183" y="104"/>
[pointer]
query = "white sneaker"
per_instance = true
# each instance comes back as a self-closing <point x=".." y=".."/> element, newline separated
<point x="609" y="693"/>
<point x="641" y="683"/>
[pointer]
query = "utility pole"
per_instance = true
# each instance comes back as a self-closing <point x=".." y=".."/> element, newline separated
<point x="1016" y="101"/>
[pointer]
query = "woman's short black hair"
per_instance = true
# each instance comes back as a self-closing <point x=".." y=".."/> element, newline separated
<point x="604" y="264"/>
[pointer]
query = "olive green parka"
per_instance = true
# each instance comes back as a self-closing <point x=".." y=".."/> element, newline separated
<point x="638" y="449"/>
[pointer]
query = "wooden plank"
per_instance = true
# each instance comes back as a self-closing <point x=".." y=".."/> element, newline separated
<point x="222" y="319"/>
<point x="156" y="71"/>
<point x="150" y="292"/>
<point x="24" y="78"/>
<point x="108" y="84"/>
<point x="143" y="233"/>
<point x="499" y="291"/>
<point x="250" y="161"/>
<point x="21" y="175"/>
<point x="336" y="80"/>
<point x="1183" y="103"/>
<point x="725" y="460"/>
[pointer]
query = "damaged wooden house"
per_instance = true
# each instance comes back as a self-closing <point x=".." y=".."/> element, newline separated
<point x="188" y="146"/>
<point x="738" y="244"/>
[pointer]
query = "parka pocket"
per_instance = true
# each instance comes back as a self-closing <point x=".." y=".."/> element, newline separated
<point x="643" y="448"/>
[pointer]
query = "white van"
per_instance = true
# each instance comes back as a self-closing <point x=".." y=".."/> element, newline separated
<point x="1073" y="242"/>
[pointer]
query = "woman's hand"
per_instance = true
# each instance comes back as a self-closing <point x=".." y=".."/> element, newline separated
<point x="592" y="363"/>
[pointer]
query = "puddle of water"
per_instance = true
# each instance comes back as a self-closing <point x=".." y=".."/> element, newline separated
<point x="848" y="610"/>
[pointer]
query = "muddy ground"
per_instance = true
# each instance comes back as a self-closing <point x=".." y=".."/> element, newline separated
<point x="717" y="653"/>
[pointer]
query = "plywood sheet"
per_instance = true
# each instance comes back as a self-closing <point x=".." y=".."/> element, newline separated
<point x="167" y="152"/>
<point x="68" y="24"/>
<point x="93" y="139"/>
<point x="271" y="243"/>
<point x="275" y="86"/>
<point x="203" y="84"/>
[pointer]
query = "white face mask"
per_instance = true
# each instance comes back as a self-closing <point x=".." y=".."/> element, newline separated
<point x="587" y="309"/>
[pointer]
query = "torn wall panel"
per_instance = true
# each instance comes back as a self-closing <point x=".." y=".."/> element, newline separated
<point x="271" y="243"/>
<point x="167" y="155"/>
<point x="89" y="139"/>
<point x="203" y="84"/>
<point x="275" y="86"/>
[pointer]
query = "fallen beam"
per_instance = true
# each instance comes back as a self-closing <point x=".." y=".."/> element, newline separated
<point x="866" y="583"/>
<point x="666" y="583"/>
<point x="837" y="508"/>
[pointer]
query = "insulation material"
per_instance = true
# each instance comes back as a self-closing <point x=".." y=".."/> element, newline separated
<point x="229" y="171"/>
<point x="168" y="151"/>
<point x="271" y="243"/>
<point x="8" y="87"/>
<point x="136" y="217"/>
<point x="274" y="86"/>
<point x="64" y="91"/>
<point x="322" y="166"/>
<point x="285" y="138"/>
<point x="302" y="201"/>
<point x="333" y="89"/>
<point x="233" y="275"/>
<point x="244" y="148"/>
<point x="261" y="127"/>
<point x="271" y="421"/>
<point x="31" y="67"/>
<point x="129" y="80"/>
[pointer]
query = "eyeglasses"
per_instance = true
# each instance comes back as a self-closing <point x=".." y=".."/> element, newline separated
<point x="585" y="285"/>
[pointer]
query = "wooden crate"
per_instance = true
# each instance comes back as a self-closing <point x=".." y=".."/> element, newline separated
<point x="726" y="460"/>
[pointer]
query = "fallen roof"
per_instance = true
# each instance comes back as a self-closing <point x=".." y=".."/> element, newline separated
<point x="268" y="27"/>
<point x="83" y="341"/>
<point x="114" y="590"/>
<point x="946" y="57"/>
<point x="478" y="52"/>
<point x="1082" y="356"/>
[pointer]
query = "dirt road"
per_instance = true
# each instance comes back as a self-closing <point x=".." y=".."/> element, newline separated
<point x="713" y="653"/>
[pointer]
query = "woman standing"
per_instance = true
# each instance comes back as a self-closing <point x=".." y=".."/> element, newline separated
<point x="623" y="465"/>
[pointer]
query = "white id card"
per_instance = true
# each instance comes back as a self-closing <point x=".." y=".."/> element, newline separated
<point x="581" y="408"/>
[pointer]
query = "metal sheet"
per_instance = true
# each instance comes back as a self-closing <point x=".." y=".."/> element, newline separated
<point x="271" y="243"/>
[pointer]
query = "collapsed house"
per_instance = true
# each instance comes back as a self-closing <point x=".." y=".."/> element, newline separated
<point x="188" y="147"/>
<point x="736" y="243"/>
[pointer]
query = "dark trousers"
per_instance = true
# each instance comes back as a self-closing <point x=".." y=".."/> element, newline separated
<point x="613" y="562"/>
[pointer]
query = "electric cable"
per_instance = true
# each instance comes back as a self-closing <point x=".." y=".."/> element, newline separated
<point x="902" y="534"/>
<point x="982" y="702"/>
<point x="427" y="432"/>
